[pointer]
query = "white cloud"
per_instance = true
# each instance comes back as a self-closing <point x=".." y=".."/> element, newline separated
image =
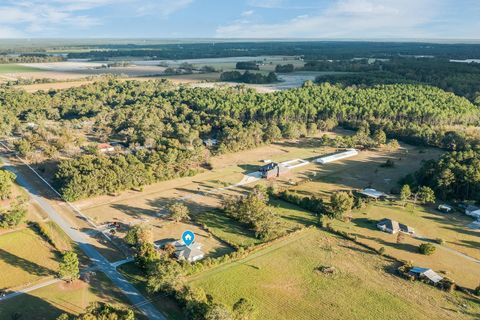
<point x="38" y="17"/>
<point x="162" y="8"/>
<point x="349" y="19"/>
<point x="247" y="13"/>
<point x="7" y="32"/>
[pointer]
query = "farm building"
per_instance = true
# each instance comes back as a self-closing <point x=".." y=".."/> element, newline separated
<point x="337" y="156"/>
<point x="372" y="193"/>
<point x="105" y="148"/>
<point x="392" y="226"/>
<point x="210" y="142"/>
<point x="473" y="212"/>
<point x="272" y="170"/>
<point x="190" y="253"/>
<point x="445" y="208"/>
<point x="425" y="273"/>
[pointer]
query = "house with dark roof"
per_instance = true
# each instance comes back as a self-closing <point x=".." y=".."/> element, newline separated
<point x="392" y="226"/>
<point x="272" y="170"/>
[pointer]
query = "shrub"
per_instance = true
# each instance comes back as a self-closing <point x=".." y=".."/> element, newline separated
<point x="477" y="291"/>
<point x="388" y="164"/>
<point x="426" y="248"/>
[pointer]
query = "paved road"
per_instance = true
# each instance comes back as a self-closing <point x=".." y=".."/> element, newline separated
<point x="135" y="297"/>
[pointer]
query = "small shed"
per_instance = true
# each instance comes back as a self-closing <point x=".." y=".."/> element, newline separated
<point x="425" y="273"/>
<point x="445" y="208"/>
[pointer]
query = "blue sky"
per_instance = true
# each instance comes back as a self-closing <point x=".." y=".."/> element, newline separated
<point x="329" y="19"/>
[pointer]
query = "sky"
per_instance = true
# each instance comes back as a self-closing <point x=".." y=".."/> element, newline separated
<point x="319" y="19"/>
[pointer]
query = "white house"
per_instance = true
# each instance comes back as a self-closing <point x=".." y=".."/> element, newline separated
<point x="190" y="253"/>
<point x="337" y="156"/>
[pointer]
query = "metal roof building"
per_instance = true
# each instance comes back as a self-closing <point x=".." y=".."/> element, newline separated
<point x="337" y="156"/>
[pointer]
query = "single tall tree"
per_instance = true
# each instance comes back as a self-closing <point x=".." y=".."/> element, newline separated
<point x="69" y="266"/>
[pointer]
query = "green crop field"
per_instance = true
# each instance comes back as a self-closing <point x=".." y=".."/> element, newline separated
<point x="14" y="68"/>
<point x="282" y="283"/>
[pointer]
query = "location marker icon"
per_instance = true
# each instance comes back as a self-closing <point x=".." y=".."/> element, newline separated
<point x="188" y="237"/>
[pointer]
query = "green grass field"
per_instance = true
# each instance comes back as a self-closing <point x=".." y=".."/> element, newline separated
<point x="25" y="258"/>
<point x="14" y="68"/>
<point x="233" y="232"/>
<point x="49" y="302"/>
<point x="429" y="224"/>
<point x="282" y="283"/>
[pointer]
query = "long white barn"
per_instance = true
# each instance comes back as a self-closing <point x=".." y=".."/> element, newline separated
<point x="338" y="156"/>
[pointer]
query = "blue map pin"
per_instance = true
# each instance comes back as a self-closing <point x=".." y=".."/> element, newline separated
<point x="188" y="237"/>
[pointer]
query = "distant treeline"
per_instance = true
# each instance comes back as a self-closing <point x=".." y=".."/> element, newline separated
<point x="460" y="78"/>
<point x="311" y="50"/>
<point x="29" y="58"/>
<point x="248" y="77"/>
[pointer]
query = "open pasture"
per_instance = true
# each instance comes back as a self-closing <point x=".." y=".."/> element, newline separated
<point x="282" y="282"/>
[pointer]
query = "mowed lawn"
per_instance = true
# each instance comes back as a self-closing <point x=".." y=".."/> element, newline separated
<point x="49" y="302"/>
<point x="25" y="258"/>
<point x="282" y="283"/>
<point x="428" y="224"/>
<point x="291" y="218"/>
<point x="14" y="68"/>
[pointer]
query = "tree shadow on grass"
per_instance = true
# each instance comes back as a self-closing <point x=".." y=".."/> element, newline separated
<point x="135" y="212"/>
<point x="365" y="223"/>
<point x="399" y="246"/>
<point x="24" y="264"/>
<point x="26" y="307"/>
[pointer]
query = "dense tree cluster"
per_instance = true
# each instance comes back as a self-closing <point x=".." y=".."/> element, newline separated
<point x="455" y="176"/>
<point x="461" y="78"/>
<point x="96" y="175"/>
<point x="29" y="58"/>
<point x="247" y="65"/>
<point x="102" y="311"/>
<point x="248" y="77"/>
<point x="254" y="211"/>
<point x="13" y="215"/>
<point x="284" y="68"/>
<point x="6" y="184"/>
<point x="163" y="128"/>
